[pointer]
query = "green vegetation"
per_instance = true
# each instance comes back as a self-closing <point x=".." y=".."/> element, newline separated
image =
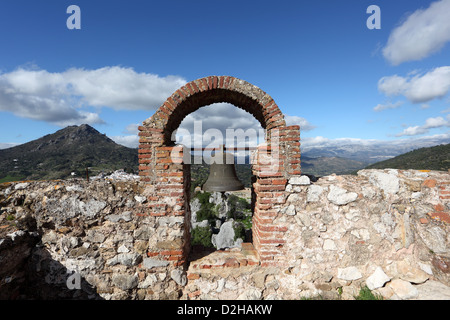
<point x="432" y="158"/>
<point x="57" y="155"/>
<point x="239" y="210"/>
<point x="10" y="178"/>
<point x="322" y="166"/>
<point x="208" y="211"/>
<point x="239" y="230"/>
<point x="366" y="294"/>
<point x="237" y="207"/>
<point x="201" y="236"/>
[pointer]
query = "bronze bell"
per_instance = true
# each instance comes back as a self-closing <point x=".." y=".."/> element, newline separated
<point x="222" y="174"/>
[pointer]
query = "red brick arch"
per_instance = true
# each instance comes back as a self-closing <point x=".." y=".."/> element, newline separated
<point x="214" y="89"/>
<point x="168" y="178"/>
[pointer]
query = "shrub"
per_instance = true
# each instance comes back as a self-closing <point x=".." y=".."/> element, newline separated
<point x="201" y="236"/>
<point x="366" y="294"/>
<point x="239" y="231"/>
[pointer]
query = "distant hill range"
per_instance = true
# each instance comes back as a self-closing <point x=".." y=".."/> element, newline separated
<point x="322" y="166"/>
<point x="69" y="150"/>
<point x="432" y="158"/>
<point x="75" y="148"/>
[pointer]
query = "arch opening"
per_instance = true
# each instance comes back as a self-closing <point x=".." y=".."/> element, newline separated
<point x="213" y="213"/>
<point x="166" y="168"/>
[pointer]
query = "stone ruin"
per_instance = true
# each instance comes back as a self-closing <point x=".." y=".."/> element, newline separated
<point x="129" y="239"/>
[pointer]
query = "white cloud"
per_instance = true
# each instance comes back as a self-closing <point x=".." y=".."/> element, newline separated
<point x="208" y="126"/>
<point x="350" y="147"/>
<point x="423" y="33"/>
<point x="418" y="88"/>
<point x="210" y="123"/>
<point x="131" y="138"/>
<point x="132" y="128"/>
<point x="430" y="123"/>
<point x="412" y="131"/>
<point x="302" y="122"/>
<point x="130" y="141"/>
<point x="319" y="141"/>
<point x="6" y="145"/>
<point x="389" y="105"/>
<point x="122" y="88"/>
<point x="62" y="98"/>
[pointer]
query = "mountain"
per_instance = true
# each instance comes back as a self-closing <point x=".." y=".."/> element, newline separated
<point x="72" y="149"/>
<point x="57" y="155"/>
<point x="367" y="151"/>
<point x="432" y="158"/>
<point x="322" y="166"/>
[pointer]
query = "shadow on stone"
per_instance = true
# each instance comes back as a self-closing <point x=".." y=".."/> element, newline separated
<point x="28" y="272"/>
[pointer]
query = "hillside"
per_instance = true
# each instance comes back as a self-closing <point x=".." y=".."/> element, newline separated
<point x="57" y="155"/>
<point x="367" y="151"/>
<point x="322" y="166"/>
<point x="432" y="158"/>
<point x="72" y="149"/>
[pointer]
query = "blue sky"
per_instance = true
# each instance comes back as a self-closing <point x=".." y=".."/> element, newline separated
<point x="325" y="69"/>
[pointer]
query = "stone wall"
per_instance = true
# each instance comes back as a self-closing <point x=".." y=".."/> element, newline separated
<point x="387" y="229"/>
<point x="91" y="241"/>
<point x="384" y="229"/>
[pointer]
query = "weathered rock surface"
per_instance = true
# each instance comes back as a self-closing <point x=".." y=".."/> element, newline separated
<point x="386" y="229"/>
<point x="225" y="237"/>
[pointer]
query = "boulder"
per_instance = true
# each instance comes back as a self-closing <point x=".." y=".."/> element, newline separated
<point x="225" y="237"/>
<point x="341" y="196"/>
<point x="377" y="279"/>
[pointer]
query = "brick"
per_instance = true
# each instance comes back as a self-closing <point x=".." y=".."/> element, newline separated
<point x="144" y="151"/>
<point x="423" y="220"/>
<point x="279" y="181"/>
<point x="268" y="174"/>
<point x="152" y="254"/>
<point x="429" y="183"/>
<point x="157" y="214"/>
<point x="231" y="263"/>
<point x="272" y="241"/>
<point x="194" y="294"/>
<point x="145" y="161"/>
<point x="203" y="84"/>
<point x="164" y="160"/>
<point x="172" y="252"/>
<point x="181" y="94"/>
<point x="173" y="258"/>
<point x="179" y="263"/>
<point x="144" y="134"/>
<point x="440" y="216"/>
<point x="269" y="188"/>
<point x="252" y="263"/>
<point x="193" y="276"/>
<point x="195" y="87"/>
<point x="221" y="80"/>
<point x="273" y="229"/>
